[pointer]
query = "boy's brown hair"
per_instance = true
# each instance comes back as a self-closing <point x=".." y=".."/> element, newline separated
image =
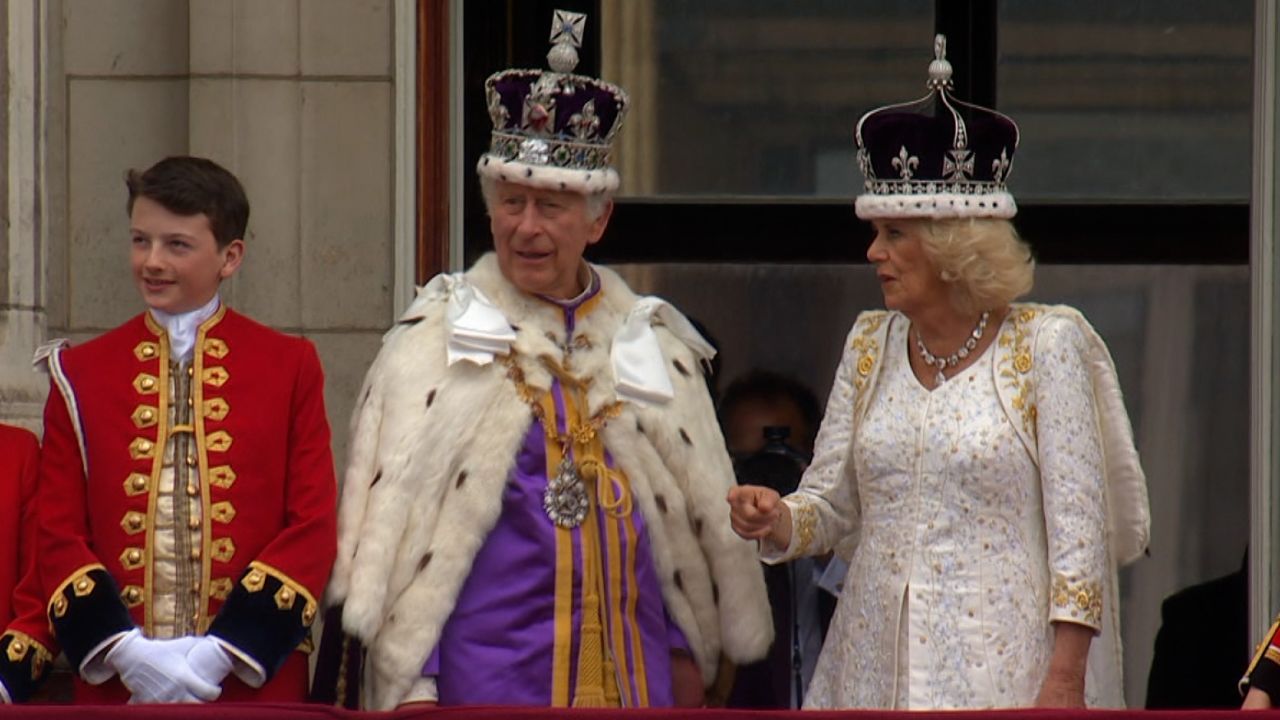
<point x="188" y="185"/>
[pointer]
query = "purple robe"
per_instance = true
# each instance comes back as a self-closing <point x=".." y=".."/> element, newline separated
<point x="497" y="648"/>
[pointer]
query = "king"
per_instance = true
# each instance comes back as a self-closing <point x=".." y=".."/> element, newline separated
<point x="533" y="509"/>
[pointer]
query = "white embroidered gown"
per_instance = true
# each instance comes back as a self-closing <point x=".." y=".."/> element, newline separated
<point x="965" y="550"/>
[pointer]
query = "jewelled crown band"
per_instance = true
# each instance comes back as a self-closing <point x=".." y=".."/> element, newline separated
<point x="554" y="129"/>
<point x="936" y="157"/>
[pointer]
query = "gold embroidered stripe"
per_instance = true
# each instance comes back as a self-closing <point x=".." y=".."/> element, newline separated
<point x="562" y="647"/>
<point x="637" y="646"/>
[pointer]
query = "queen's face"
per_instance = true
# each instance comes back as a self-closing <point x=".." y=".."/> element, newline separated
<point x="908" y="279"/>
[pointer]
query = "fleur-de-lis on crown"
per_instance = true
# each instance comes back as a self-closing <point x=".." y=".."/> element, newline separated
<point x="958" y="165"/>
<point x="864" y="164"/>
<point x="498" y="113"/>
<point x="585" y="124"/>
<point x="1000" y="166"/>
<point x="906" y="163"/>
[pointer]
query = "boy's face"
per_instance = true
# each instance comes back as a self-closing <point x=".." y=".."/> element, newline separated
<point x="176" y="261"/>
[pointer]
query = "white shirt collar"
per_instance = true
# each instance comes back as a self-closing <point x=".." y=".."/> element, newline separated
<point x="182" y="327"/>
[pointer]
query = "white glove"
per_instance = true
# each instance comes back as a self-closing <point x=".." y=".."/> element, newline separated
<point x="208" y="660"/>
<point x="156" y="671"/>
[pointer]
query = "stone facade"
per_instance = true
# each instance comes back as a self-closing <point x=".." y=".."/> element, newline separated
<point x="294" y="96"/>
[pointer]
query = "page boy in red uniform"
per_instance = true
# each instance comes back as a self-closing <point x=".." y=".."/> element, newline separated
<point x="187" y="484"/>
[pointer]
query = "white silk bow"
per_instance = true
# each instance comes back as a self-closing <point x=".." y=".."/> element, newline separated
<point x="476" y="329"/>
<point x="639" y="368"/>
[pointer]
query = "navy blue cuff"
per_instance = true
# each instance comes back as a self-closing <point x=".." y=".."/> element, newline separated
<point x="266" y="616"/>
<point x="23" y="665"/>
<point x="85" y="611"/>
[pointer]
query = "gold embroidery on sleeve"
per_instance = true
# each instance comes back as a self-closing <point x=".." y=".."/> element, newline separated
<point x="1082" y="599"/>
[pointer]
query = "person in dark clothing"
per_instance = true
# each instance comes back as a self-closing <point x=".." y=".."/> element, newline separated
<point x="1202" y="645"/>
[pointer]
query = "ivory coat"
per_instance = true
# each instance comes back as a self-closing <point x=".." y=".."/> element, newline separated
<point x="433" y="444"/>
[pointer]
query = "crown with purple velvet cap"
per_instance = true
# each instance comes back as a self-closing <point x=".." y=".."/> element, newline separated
<point x="551" y="128"/>
<point x="936" y="157"/>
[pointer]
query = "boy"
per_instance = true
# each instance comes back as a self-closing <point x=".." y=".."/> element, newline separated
<point x="25" y="646"/>
<point x="187" y="485"/>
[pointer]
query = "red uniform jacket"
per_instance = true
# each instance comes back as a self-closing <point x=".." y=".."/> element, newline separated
<point x="266" y="492"/>
<point x="25" y="647"/>
<point x="1264" y="671"/>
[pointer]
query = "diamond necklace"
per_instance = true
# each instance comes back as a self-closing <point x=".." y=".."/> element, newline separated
<point x="942" y="363"/>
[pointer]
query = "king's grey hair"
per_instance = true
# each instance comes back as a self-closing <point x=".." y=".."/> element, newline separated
<point x="596" y="202"/>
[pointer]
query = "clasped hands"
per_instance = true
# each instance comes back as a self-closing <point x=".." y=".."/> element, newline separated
<point x="188" y="669"/>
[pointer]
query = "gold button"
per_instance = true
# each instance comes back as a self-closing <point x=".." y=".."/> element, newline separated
<point x="134" y="556"/>
<point x="147" y="415"/>
<point x="192" y="490"/>
<point x="191" y="403"/>
<point x="191" y="460"/>
<point x="139" y="482"/>
<point x="195" y="553"/>
<point x="132" y="594"/>
<point x="193" y="523"/>
<point x="286" y="594"/>
<point x="135" y="521"/>
<point x="145" y="446"/>
<point x="148" y="383"/>
<point x="18" y="647"/>
<point x="191" y="371"/>
<point x="148" y="351"/>
<point x="82" y="585"/>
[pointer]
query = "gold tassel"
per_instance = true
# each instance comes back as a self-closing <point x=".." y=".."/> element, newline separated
<point x="590" y="692"/>
<point x="597" y="684"/>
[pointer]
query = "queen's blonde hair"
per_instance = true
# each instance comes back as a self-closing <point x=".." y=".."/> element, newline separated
<point x="983" y="260"/>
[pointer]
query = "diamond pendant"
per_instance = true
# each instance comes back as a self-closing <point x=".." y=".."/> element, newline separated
<point x="939" y="378"/>
<point x="565" y="499"/>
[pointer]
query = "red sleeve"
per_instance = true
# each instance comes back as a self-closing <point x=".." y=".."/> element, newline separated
<point x="272" y="607"/>
<point x="81" y="600"/>
<point x="26" y="647"/>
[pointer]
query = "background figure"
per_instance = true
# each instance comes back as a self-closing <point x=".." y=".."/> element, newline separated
<point x="532" y="510"/>
<point x="976" y="450"/>
<point x="769" y="421"/>
<point x="762" y="399"/>
<point x="26" y="648"/>
<point x="1202" y="645"/>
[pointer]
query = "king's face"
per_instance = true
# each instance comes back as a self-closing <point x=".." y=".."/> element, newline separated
<point x="539" y="237"/>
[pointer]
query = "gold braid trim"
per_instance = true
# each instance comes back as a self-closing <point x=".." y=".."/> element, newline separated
<point x="21" y="645"/>
<point x="57" y="604"/>
<point x="310" y="609"/>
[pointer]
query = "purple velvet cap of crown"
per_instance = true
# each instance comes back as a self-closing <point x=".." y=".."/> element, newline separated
<point x="936" y="157"/>
<point x="553" y="130"/>
<point x="573" y="92"/>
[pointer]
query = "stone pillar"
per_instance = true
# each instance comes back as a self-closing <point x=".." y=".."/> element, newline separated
<point x="22" y="288"/>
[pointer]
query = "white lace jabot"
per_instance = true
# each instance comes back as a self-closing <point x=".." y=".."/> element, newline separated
<point x="182" y="327"/>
